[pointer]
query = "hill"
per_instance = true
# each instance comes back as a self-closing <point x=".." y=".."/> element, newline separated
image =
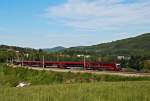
<point x="8" y="53"/>
<point x="15" y="48"/>
<point x="139" y="45"/>
<point x="55" y="49"/>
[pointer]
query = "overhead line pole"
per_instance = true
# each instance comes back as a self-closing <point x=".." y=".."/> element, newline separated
<point x="22" y="61"/>
<point x="84" y="62"/>
<point x="43" y="62"/>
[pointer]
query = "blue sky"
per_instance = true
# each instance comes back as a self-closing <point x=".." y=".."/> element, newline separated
<point x="50" y="23"/>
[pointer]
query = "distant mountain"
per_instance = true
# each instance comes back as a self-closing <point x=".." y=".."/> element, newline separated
<point x="55" y="49"/>
<point x="139" y="45"/>
<point x="28" y="50"/>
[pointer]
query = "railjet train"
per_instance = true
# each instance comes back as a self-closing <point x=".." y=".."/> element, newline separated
<point x="66" y="65"/>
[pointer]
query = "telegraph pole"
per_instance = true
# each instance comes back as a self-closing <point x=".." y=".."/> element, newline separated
<point x="43" y="62"/>
<point x="57" y="57"/>
<point x="22" y="61"/>
<point x="12" y="61"/>
<point x="84" y="62"/>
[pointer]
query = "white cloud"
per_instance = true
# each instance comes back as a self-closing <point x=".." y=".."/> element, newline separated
<point x="101" y="14"/>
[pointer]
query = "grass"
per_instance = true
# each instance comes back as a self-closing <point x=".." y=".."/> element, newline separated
<point x="102" y="91"/>
<point x="10" y="77"/>
<point x="55" y="86"/>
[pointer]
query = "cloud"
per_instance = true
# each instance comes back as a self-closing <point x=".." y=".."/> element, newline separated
<point x="101" y="14"/>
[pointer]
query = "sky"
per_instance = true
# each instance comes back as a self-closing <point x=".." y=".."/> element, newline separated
<point x="50" y="23"/>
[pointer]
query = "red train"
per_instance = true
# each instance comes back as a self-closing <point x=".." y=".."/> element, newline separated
<point x="64" y="65"/>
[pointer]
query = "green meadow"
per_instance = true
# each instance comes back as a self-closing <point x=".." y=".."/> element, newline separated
<point x="56" y="86"/>
<point x="102" y="91"/>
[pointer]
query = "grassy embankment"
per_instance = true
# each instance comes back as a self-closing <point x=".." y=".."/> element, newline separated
<point x="10" y="77"/>
<point x="55" y="86"/>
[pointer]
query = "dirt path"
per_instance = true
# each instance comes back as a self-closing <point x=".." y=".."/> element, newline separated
<point x="91" y="71"/>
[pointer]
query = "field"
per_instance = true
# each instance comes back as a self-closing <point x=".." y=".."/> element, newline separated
<point x="68" y="86"/>
<point x="10" y="77"/>
<point x="103" y="91"/>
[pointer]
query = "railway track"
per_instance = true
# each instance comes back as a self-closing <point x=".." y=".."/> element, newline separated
<point x="128" y="74"/>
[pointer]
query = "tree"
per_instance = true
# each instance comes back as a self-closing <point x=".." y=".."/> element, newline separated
<point x="147" y="64"/>
<point x="136" y="62"/>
